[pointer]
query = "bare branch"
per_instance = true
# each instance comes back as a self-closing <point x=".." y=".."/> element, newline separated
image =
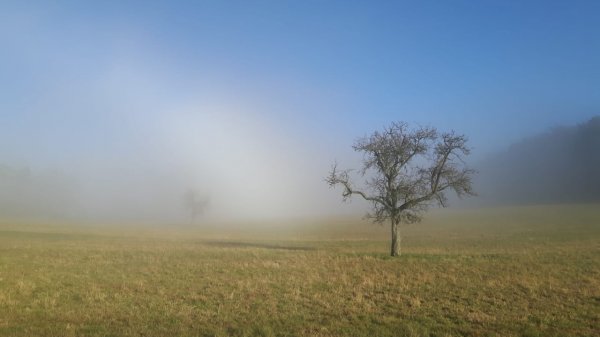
<point x="399" y="188"/>
<point x="342" y="178"/>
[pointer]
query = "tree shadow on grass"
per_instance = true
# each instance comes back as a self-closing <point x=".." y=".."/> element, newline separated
<point x="240" y="244"/>
<point x="439" y="256"/>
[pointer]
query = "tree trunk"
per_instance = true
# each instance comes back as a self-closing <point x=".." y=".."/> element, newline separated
<point x="395" y="251"/>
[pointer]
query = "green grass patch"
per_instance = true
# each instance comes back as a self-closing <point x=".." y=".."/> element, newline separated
<point x="532" y="271"/>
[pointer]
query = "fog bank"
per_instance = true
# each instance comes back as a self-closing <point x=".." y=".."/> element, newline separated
<point x="558" y="166"/>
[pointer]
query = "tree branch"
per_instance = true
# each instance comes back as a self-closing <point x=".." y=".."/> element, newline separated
<point x="342" y="178"/>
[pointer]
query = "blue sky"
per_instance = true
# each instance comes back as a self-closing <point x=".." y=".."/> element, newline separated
<point x="132" y="85"/>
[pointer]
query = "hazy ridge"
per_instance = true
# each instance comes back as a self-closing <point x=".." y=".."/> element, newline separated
<point x="558" y="166"/>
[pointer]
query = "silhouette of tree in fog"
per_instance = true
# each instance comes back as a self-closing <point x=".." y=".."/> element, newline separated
<point x="195" y="204"/>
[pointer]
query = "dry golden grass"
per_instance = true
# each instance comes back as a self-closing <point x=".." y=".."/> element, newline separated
<point x="530" y="271"/>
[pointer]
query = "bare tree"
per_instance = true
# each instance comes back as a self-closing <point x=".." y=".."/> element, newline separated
<point x="406" y="171"/>
<point x="194" y="203"/>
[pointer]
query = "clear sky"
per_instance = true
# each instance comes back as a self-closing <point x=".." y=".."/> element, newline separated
<point x="257" y="98"/>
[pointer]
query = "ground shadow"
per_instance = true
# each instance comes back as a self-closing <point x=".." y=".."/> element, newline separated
<point x="240" y="244"/>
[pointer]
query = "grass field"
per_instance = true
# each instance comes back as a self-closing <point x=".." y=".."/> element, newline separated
<point x="527" y="271"/>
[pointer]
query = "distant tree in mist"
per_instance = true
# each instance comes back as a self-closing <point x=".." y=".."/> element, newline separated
<point x="28" y="193"/>
<point x="405" y="171"/>
<point x="195" y="204"/>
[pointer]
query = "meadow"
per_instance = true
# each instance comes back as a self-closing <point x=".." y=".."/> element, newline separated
<point x="514" y="271"/>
